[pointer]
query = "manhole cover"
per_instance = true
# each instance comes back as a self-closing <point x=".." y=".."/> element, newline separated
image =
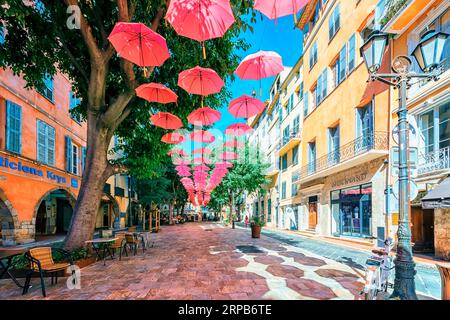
<point x="249" y="249"/>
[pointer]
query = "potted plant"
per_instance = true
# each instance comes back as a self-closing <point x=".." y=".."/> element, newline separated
<point x="256" y="225"/>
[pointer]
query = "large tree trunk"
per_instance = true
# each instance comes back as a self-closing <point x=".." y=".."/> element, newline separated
<point x="96" y="172"/>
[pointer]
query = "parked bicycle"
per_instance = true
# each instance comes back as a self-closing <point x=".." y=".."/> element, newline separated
<point x="378" y="270"/>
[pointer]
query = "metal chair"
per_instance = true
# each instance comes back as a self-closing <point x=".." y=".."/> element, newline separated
<point x="41" y="261"/>
<point x="132" y="242"/>
<point x="119" y="244"/>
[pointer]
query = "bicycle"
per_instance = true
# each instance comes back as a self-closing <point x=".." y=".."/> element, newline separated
<point x="378" y="270"/>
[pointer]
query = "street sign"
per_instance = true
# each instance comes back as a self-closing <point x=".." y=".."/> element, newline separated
<point x="413" y="160"/>
<point x="413" y="133"/>
<point x="413" y="190"/>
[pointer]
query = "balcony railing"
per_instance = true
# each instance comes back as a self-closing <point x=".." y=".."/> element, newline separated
<point x="293" y="134"/>
<point x="434" y="161"/>
<point x="361" y="145"/>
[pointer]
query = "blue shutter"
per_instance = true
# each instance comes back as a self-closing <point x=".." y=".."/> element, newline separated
<point x="324" y="83"/>
<point x="68" y="154"/>
<point x="13" y="127"/>
<point x="337" y="18"/>
<point x="50" y="145"/>
<point x="342" y="63"/>
<point x="41" y="141"/>
<point x="305" y="104"/>
<point x="83" y="158"/>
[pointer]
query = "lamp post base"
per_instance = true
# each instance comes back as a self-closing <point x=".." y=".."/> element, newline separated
<point x="404" y="285"/>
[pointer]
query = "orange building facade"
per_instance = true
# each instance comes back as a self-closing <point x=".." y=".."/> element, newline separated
<point x="42" y="150"/>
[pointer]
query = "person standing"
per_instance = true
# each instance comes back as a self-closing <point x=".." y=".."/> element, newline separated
<point x="246" y="221"/>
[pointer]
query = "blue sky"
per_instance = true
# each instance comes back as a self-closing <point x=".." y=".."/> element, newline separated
<point x="268" y="35"/>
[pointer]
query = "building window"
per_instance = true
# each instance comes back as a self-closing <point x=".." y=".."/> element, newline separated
<point x="269" y="210"/>
<point x="290" y="104"/>
<point x="333" y="145"/>
<point x="2" y="34"/>
<point x="73" y="103"/>
<point x="45" y="143"/>
<point x="364" y="126"/>
<point x="47" y="90"/>
<point x="305" y="104"/>
<point x="283" y="190"/>
<point x="301" y="92"/>
<point x="351" y="53"/>
<point x="294" y="186"/>
<point x="295" y="156"/>
<point x="342" y="64"/>
<point x="13" y="127"/>
<point x="313" y="55"/>
<point x="74" y="159"/>
<point x="321" y="88"/>
<point x="284" y="162"/>
<point x="334" y="22"/>
<point x="312" y="157"/>
<point x="296" y="125"/>
<point x="435" y="129"/>
<point x="286" y="135"/>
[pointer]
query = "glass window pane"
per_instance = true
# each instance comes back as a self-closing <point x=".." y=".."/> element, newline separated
<point x="444" y="125"/>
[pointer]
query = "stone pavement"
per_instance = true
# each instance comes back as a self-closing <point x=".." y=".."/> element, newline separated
<point x="428" y="281"/>
<point x="208" y="261"/>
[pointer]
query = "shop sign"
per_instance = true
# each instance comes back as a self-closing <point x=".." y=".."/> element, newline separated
<point x="25" y="169"/>
<point x="355" y="179"/>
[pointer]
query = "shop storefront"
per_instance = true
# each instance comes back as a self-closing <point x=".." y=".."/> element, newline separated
<point x="353" y="206"/>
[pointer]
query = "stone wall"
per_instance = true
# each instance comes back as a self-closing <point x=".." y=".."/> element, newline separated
<point x="442" y="233"/>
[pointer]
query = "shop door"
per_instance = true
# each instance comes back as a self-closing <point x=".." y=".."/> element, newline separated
<point x="428" y="230"/>
<point x="312" y="215"/>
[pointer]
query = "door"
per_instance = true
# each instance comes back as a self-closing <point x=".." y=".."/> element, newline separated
<point x="312" y="215"/>
<point x="428" y="230"/>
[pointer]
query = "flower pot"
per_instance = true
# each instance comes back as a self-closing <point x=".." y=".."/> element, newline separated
<point x="256" y="231"/>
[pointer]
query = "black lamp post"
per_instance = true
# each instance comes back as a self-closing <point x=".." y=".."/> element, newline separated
<point x="428" y="55"/>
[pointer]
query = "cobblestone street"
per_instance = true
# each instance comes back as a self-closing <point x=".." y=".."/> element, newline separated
<point x="208" y="261"/>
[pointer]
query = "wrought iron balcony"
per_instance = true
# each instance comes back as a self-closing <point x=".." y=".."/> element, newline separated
<point x="389" y="9"/>
<point x="358" y="147"/>
<point x="290" y="141"/>
<point x="432" y="162"/>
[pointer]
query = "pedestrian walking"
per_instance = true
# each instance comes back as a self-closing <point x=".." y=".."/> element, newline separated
<point x="246" y="221"/>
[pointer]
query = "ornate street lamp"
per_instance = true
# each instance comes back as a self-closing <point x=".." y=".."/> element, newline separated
<point x="428" y="55"/>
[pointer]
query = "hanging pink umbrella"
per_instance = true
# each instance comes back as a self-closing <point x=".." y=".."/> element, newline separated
<point x="224" y="164"/>
<point x="238" y="129"/>
<point x="181" y="162"/>
<point x="202" y="136"/>
<point x="166" y="120"/>
<point x="201" y="160"/>
<point x="274" y="9"/>
<point x="201" y="81"/>
<point x="156" y="92"/>
<point x="262" y="64"/>
<point x="139" y="44"/>
<point x="200" y="19"/>
<point x="204" y="151"/>
<point x="233" y="144"/>
<point x="228" y="155"/>
<point x="246" y="107"/>
<point x="184" y="173"/>
<point x="201" y="167"/>
<point x="173" y="138"/>
<point x="204" y="116"/>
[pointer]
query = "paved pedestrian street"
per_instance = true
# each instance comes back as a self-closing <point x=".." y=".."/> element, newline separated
<point x="208" y="261"/>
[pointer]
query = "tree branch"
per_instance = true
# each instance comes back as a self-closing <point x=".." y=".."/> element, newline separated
<point x="113" y="113"/>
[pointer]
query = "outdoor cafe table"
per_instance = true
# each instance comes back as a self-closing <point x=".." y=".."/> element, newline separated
<point x="8" y="255"/>
<point x="102" y="247"/>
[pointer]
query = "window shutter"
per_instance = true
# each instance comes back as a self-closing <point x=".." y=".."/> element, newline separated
<point x="41" y="141"/>
<point x="50" y="145"/>
<point x="324" y="83"/>
<point x="305" y="106"/>
<point x="68" y="154"/>
<point x="337" y="18"/>
<point x="13" y="127"/>
<point x="83" y="158"/>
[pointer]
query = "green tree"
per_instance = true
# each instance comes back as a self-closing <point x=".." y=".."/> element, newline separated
<point x="39" y="42"/>
<point x="246" y="176"/>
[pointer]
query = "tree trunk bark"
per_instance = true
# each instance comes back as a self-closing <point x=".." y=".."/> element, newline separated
<point x="94" y="178"/>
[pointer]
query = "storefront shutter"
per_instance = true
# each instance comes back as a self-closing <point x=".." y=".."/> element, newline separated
<point x="41" y="142"/>
<point x="13" y="127"/>
<point x="68" y="154"/>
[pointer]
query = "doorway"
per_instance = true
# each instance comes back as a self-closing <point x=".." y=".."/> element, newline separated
<point x="7" y="234"/>
<point x="312" y="212"/>
<point x="422" y="229"/>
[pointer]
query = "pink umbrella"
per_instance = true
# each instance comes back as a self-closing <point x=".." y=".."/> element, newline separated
<point x="200" y="19"/>
<point x="228" y="155"/>
<point x="201" y="81"/>
<point x="166" y="120"/>
<point x="173" y="138"/>
<point x="274" y="9"/>
<point x="182" y="162"/>
<point x="204" y="116"/>
<point x="202" y="136"/>
<point x="184" y="173"/>
<point x="262" y="64"/>
<point x="156" y="92"/>
<point x="233" y="144"/>
<point x="224" y="164"/>
<point x="182" y="167"/>
<point x="139" y="44"/>
<point x="238" y="129"/>
<point x="246" y="107"/>
<point x="201" y="160"/>
<point x="201" y="167"/>
<point x="204" y="151"/>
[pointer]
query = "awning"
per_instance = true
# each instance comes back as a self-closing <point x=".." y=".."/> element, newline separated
<point x="439" y="197"/>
